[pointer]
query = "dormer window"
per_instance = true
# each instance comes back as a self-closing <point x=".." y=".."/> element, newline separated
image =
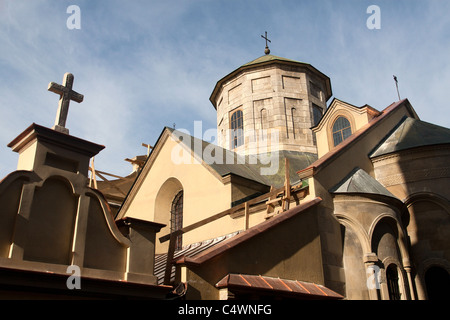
<point x="341" y="130"/>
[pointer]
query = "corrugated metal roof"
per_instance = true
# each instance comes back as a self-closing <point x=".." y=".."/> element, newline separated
<point x="186" y="251"/>
<point x="264" y="284"/>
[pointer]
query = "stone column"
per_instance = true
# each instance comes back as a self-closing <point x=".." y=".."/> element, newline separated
<point x="408" y="270"/>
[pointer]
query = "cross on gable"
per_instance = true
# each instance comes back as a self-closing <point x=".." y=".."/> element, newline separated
<point x="66" y="94"/>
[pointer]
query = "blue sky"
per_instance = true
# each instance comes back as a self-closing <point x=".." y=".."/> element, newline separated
<point x="143" y="65"/>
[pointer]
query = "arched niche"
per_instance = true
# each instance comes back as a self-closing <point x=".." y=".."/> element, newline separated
<point x="51" y="222"/>
<point x="163" y="204"/>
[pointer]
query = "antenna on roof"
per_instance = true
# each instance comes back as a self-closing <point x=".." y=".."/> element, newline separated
<point x="396" y="84"/>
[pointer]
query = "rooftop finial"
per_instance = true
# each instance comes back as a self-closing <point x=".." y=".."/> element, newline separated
<point x="267" y="50"/>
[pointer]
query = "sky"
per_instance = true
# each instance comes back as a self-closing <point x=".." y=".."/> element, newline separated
<point x="143" y="65"/>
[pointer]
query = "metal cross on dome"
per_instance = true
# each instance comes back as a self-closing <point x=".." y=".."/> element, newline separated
<point x="267" y="50"/>
<point x="66" y="94"/>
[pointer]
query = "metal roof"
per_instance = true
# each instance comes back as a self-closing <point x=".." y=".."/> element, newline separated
<point x="359" y="181"/>
<point x="186" y="251"/>
<point x="277" y="286"/>
<point x="412" y="133"/>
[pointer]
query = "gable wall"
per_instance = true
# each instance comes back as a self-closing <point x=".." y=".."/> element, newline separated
<point x="167" y="175"/>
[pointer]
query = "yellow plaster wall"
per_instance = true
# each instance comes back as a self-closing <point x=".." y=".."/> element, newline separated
<point x="196" y="181"/>
<point x="358" y="117"/>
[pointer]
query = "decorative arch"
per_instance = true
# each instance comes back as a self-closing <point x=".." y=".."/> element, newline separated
<point x="362" y="235"/>
<point x="422" y="269"/>
<point x="396" y="227"/>
<point x="355" y="244"/>
<point x="396" y="283"/>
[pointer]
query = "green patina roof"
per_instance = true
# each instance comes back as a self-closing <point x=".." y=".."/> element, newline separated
<point x="267" y="58"/>
<point x="412" y="133"/>
<point x="359" y="181"/>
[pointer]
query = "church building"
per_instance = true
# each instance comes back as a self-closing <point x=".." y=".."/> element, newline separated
<point x="298" y="197"/>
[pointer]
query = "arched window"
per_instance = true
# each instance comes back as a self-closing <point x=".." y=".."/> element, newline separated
<point x="437" y="281"/>
<point x="341" y="130"/>
<point x="176" y="218"/>
<point x="237" y="129"/>
<point x="392" y="282"/>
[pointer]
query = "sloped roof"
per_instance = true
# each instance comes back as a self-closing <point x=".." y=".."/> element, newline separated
<point x="186" y="251"/>
<point x="248" y="234"/>
<point x="359" y="181"/>
<point x="225" y="162"/>
<point x="342" y="147"/>
<point x="268" y="57"/>
<point x="412" y="133"/>
<point x="270" y="285"/>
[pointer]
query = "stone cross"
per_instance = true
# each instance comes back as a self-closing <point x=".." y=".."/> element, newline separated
<point x="267" y="50"/>
<point x="66" y="94"/>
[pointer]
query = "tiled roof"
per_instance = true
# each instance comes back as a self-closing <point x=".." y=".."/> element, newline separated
<point x="269" y="285"/>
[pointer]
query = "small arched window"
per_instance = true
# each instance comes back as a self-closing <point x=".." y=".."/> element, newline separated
<point x="237" y="129"/>
<point x="341" y="130"/>
<point x="176" y="218"/>
<point x="392" y="282"/>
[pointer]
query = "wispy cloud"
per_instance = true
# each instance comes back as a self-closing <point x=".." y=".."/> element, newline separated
<point x="143" y="65"/>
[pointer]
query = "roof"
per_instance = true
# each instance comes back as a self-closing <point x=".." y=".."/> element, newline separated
<point x="412" y="133"/>
<point x="186" y="251"/>
<point x="268" y="57"/>
<point x="338" y="150"/>
<point x="225" y="162"/>
<point x="222" y="161"/>
<point x="244" y="236"/>
<point x="372" y="112"/>
<point x="359" y="181"/>
<point x="264" y="284"/>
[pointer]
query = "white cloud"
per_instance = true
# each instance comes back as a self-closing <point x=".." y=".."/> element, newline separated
<point x="143" y="65"/>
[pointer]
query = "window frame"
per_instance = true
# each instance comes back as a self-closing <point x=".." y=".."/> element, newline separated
<point x="341" y="130"/>
<point x="176" y="217"/>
